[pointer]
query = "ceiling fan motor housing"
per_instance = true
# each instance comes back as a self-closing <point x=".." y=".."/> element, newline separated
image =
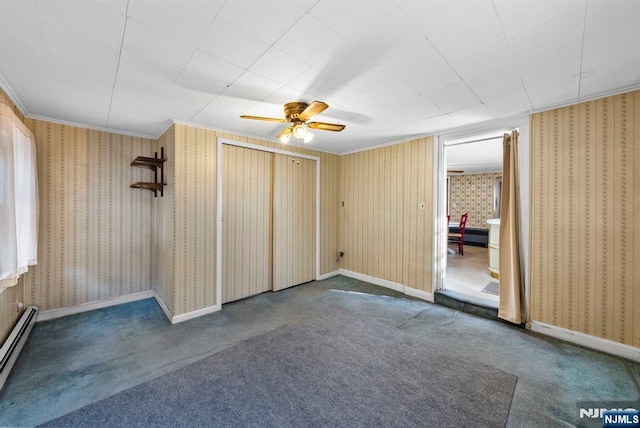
<point x="293" y="110"/>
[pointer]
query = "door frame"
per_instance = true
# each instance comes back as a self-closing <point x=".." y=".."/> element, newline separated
<point x="440" y="238"/>
<point x="219" y="165"/>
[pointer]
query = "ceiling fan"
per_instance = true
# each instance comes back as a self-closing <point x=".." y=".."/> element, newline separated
<point x="455" y="171"/>
<point x="298" y="114"/>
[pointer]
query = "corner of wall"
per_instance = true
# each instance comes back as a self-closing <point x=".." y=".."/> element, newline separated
<point x="163" y="208"/>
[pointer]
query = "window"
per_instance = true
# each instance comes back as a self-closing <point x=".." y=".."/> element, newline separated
<point x="18" y="199"/>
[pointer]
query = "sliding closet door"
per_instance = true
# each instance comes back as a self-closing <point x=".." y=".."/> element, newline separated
<point x="246" y="222"/>
<point x="294" y="230"/>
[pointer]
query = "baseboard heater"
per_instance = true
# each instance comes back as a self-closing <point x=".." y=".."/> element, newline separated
<point x="14" y="343"/>
<point x="475" y="236"/>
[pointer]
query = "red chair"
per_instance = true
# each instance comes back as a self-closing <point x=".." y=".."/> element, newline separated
<point x="458" y="237"/>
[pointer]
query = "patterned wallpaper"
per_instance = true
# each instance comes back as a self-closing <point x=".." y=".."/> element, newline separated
<point x="473" y="193"/>
<point x="193" y="159"/>
<point x="585" y="196"/>
<point x="4" y="99"/>
<point x="95" y="231"/>
<point x="9" y="314"/>
<point x="385" y="232"/>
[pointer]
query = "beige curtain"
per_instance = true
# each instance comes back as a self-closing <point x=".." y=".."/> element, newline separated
<point x="512" y="306"/>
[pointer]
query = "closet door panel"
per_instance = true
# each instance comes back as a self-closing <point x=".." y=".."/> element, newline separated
<point x="246" y="222"/>
<point x="294" y="230"/>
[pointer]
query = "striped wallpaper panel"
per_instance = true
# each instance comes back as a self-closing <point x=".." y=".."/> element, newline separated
<point x="418" y="187"/>
<point x="385" y="231"/>
<point x="194" y="219"/>
<point x="4" y="99"/>
<point x="8" y="310"/>
<point x="95" y="231"/>
<point x="585" y="197"/>
<point x="329" y="211"/>
<point x="373" y="212"/>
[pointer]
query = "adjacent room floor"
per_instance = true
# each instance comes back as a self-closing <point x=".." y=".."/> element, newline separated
<point x="469" y="274"/>
<point x="73" y="361"/>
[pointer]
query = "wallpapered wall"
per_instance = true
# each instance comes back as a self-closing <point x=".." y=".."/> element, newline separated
<point x="190" y="223"/>
<point x="9" y="313"/>
<point x="188" y="216"/>
<point x="4" y="99"/>
<point x="473" y="193"/>
<point x="585" y="199"/>
<point x="385" y="233"/>
<point x="95" y="232"/>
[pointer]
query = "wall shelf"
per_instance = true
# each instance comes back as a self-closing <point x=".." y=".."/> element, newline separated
<point x="151" y="163"/>
<point x="157" y="165"/>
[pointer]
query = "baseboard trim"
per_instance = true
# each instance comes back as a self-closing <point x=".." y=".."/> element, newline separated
<point x="195" y="314"/>
<point x="372" y="279"/>
<point x="396" y="286"/>
<point x="327" y="275"/>
<point x="90" y="306"/>
<point x="164" y="308"/>
<point x="420" y="294"/>
<point x="586" y="340"/>
<point x="100" y="304"/>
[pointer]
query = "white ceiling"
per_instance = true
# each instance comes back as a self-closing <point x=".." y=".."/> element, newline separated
<point x="389" y="69"/>
<point x="476" y="156"/>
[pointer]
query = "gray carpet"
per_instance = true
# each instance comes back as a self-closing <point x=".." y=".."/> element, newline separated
<point x="492" y="288"/>
<point x="332" y="370"/>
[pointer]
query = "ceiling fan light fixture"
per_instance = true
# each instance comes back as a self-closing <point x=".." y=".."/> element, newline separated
<point x="285" y="138"/>
<point x="308" y="136"/>
<point x="299" y="131"/>
<point x="297" y="114"/>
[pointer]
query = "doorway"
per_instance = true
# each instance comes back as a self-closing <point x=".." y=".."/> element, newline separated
<point x="473" y="168"/>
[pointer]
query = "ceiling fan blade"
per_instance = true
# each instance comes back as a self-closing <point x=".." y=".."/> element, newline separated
<point x="313" y="109"/>
<point x="286" y="131"/>
<point x="454" y="171"/>
<point x="323" y="126"/>
<point x="267" y="119"/>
